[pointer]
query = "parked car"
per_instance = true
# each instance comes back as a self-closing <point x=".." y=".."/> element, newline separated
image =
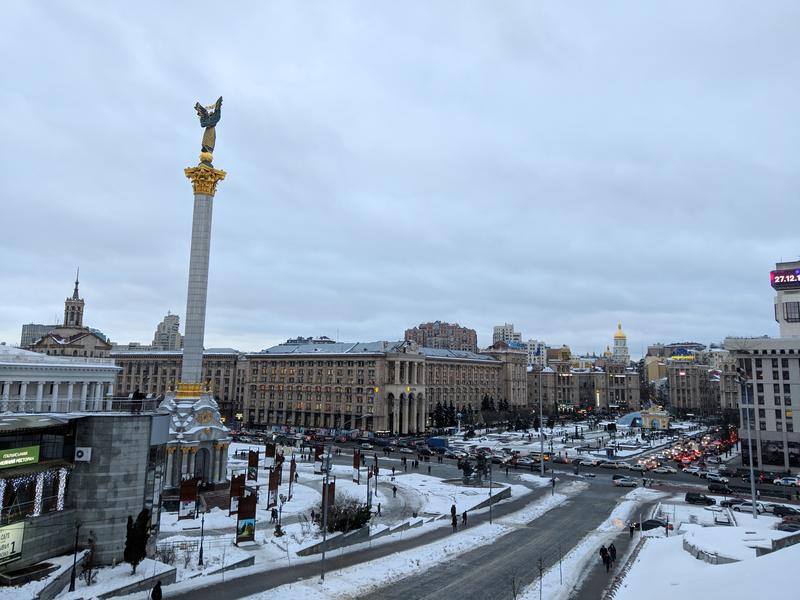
<point x="665" y="469"/>
<point x="406" y="451"/>
<point x="588" y="462"/>
<point x="624" y="482"/>
<point x="611" y="464"/>
<point x="791" y="481"/>
<point x="692" y="470"/>
<point x="717" y="478"/>
<point x="653" y="524"/>
<point x="366" y="446"/>
<point x="638" y="468"/>
<point x="719" y="488"/>
<point x="695" y="498"/>
<point x="731" y="502"/>
<point x="780" y="510"/>
<point x="747" y="506"/>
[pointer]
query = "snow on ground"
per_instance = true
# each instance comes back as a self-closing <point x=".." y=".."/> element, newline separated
<point x="30" y="590"/>
<point x="664" y="571"/>
<point x="111" y="578"/>
<point x="360" y="579"/>
<point x="574" y="563"/>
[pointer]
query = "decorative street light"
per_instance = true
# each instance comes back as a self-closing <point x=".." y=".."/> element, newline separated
<point x="202" y="529"/>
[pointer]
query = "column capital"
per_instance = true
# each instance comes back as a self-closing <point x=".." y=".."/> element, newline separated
<point x="204" y="178"/>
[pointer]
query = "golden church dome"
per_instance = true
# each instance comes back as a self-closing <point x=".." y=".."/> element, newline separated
<point x="619" y="333"/>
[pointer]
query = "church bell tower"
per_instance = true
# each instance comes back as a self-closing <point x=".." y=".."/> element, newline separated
<point x="73" y="308"/>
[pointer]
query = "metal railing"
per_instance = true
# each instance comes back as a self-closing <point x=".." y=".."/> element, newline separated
<point x="18" y="404"/>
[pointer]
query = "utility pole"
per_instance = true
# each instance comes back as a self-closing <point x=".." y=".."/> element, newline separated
<point x="541" y="576"/>
<point x="541" y="430"/>
<point x="325" y="511"/>
<point x="74" y="558"/>
<point x="490" y="492"/>
<point x="743" y="381"/>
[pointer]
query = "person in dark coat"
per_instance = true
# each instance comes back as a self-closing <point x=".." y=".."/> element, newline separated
<point x="464" y="519"/>
<point x="155" y="594"/>
<point x="605" y="558"/>
<point x="612" y="552"/>
<point x="630" y="529"/>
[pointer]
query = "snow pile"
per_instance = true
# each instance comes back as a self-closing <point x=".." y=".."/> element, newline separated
<point x="113" y="578"/>
<point x="664" y="571"/>
<point x="30" y="590"/>
<point x="624" y="512"/>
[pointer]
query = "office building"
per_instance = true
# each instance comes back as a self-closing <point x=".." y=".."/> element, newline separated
<point x="505" y="333"/>
<point x="445" y="336"/>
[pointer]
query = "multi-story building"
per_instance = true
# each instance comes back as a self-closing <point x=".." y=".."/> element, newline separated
<point x="168" y="334"/>
<point x="505" y="333"/>
<point x="611" y="387"/>
<point x="154" y="372"/>
<point x="72" y="338"/>
<point x="694" y="389"/>
<point x="442" y="335"/>
<point x="619" y="352"/>
<point x="374" y="386"/>
<point x="785" y="280"/>
<point x="537" y="353"/>
<point x="32" y="332"/>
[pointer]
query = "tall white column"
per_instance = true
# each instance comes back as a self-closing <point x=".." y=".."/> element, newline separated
<point x="413" y="414"/>
<point x="98" y="396"/>
<point x="109" y="396"/>
<point x="54" y="396"/>
<point x="212" y="472"/>
<point x="192" y="455"/>
<point x="421" y="415"/>
<point x="396" y="420"/>
<point x="6" y="393"/>
<point x="69" y="396"/>
<point x="23" y="396"/>
<point x="170" y="464"/>
<point x="404" y="416"/>
<point x="39" y="395"/>
<point x="413" y="373"/>
<point x="84" y="393"/>
<point x="397" y="372"/>
<point x="223" y="463"/>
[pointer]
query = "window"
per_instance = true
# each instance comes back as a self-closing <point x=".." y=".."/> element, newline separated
<point x="791" y="311"/>
<point x="778" y="414"/>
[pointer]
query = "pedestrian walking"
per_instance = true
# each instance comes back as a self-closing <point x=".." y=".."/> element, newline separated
<point x="612" y="552"/>
<point x="604" y="557"/>
<point x="644" y="482"/>
<point x="455" y="523"/>
<point x="295" y="476"/>
<point x="312" y="514"/>
<point x="453" y="511"/>
<point x="379" y="509"/>
<point x="506" y="470"/>
<point x="464" y="519"/>
<point x="392" y="470"/>
<point x="155" y="594"/>
<point x="630" y="530"/>
<point x="394" y="491"/>
<point x="429" y="469"/>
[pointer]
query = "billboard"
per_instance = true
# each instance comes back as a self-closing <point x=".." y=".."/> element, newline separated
<point x="272" y="488"/>
<point x="188" y="499"/>
<point x="11" y="542"/>
<point x="246" y="521"/>
<point x="785" y="279"/>
<point x="357" y="465"/>
<point x="16" y="457"/>
<point x="252" y="465"/>
<point x="236" y="490"/>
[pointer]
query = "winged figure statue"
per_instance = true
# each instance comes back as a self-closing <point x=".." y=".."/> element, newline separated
<point x="209" y="117"/>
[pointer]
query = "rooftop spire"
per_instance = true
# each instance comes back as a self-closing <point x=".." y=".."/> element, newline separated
<point x="75" y="295"/>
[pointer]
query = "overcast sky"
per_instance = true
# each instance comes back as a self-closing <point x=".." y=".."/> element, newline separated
<point x="390" y="163"/>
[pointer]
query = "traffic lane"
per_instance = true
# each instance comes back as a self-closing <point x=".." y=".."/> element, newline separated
<point x="487" y="572"/>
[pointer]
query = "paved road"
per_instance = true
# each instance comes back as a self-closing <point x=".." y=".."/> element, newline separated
<point x="259" y="582"/>
<point x="487" y="572"/>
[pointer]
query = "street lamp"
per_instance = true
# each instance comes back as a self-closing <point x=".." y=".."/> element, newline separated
<point x="202" y="529"/>
<point x="743" y="381"/>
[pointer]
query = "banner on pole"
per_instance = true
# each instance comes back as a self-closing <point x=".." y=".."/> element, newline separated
<point x="318" y="451"/>
<point x="269" y="452"/>
<point x="252" y="465"/>
<point x="357" y="465"/>
<point x="272" y="488"/>
<point x="246" y="519"/>
<point x="292" y="471"/>
<point x="236" y="490"/>
<point x="188" y="499"/>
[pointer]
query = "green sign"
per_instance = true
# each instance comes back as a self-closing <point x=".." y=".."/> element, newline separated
<point x="17" y="457"/>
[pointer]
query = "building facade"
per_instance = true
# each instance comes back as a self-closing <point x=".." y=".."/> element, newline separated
<point x="785" y="280"/>
<point x="537" y="353"/>
<point x="563" y="388"/>
<point x="156" y="372"/>
<point x="619" y="352"/>
<point x="694" y="389"/>
<point x="32" y="332"/>
<point x="505" y="333"/>
<point x="168" y="334"/>
<point x="442" y="335"/>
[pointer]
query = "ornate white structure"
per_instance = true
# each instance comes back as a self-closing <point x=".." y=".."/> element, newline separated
<point x="36" y="383"/>
<point x="620" y="352"/>
<point x="199" y="441"/>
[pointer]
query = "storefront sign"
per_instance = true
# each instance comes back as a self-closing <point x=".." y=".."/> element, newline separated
<point x="11" y="541"/>
<point x="19" y="456"/>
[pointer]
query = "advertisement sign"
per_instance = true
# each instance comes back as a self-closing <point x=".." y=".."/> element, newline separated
<point x="318" y="450"/>
<point x="272" y="489"/>
<point x="15" y="457"/>
<point x="188" y="499"/>
<point x="252" y="465"/>
<point x="11" y="542"/>
<point x="356" y="465"/>
<point x="236" y="490"/>
<point x="269" y="453"/>
<point x="246" y="521"/>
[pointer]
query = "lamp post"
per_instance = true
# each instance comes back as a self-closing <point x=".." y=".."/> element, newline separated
<point x="745" y="396"/>
<point x="202" y="531"/>
<point x="325" y="510"/>
<point x="541" y="426"/>
<point x="490" y="492"/>
<point x="74" y="558"/>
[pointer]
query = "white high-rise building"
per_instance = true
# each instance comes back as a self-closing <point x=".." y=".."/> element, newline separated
<point x="537" y="353"/>
<point x="505" y="333"/>
<point x="785" y="280"/>
<point x="168" y="334"/>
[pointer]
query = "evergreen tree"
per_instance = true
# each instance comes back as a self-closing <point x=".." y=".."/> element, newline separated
<point x="485" y="403"/>
<point x="438" y="416"/>
<point x="551" y="421"/>
<point x="491" y="405"/>
<point x="136" y="539"/>
<point x="536" y="423"/>
<point x="451" y="414"/>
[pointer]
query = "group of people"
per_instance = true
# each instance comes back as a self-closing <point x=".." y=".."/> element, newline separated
<point x="608" y="556"/>
<point x="454" y="518"/>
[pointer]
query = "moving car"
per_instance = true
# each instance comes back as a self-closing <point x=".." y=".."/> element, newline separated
<point x="780" y="510"/>
<point x="717" y="478"/>
<point x="406" y="451"/>
<point x="791" y="481"/>
<point x="719" y="488"/>
<point x="665" y="469"/>
<point x="638" y="468"/>
<point x="624" y="482"/>
<point x="695" y="498"/>
<point x="366" y="446"/>
<point x="731" y="502"/>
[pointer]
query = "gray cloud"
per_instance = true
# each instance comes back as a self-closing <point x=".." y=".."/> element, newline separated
<point x="558" y="167"/>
